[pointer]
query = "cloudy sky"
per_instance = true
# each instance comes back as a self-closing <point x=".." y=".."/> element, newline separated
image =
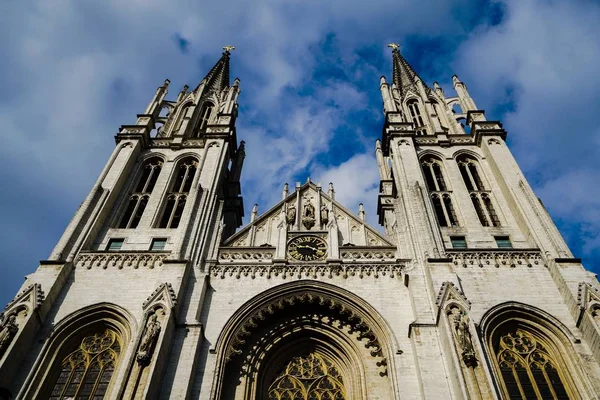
<point x="72" y="71"/>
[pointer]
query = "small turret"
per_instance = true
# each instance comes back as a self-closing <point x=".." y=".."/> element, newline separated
<point x="159" y="96"/>
<point x="466" y="102"/>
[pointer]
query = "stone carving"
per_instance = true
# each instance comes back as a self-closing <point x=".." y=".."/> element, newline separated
<point x="307" y="271"/>
<point x="324" y="216"/>
<point x="308" y="216"/>
<point x="8" y="332"/>
<point x="368" y="255"/>
<point x="120" y="260"/>
<point x="290" y="215"/>
<point x="493" y="141"/>
<point x="497" y="258"/>
<point x="245" y="255"/>
<point x="327" y="308"/>
<point x="148" y="340"/>
<point x="463" y="336"/>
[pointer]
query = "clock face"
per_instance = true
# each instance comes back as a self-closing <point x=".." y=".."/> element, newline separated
<point x="307" y="248"/>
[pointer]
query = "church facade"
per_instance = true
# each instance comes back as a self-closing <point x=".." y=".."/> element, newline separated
<point x="153" y="292"/>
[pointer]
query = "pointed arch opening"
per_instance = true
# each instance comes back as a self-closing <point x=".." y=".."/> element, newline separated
<point x="417" y="119"/>
<point x="204" y="118"/>
<point x="303" y="341"/>
<point x="181" y="185"/>
<point x="530" y="354"/>
<point x="82" y="355"/>
<point x="438" y="191"/>
<point x="140" y="195"/>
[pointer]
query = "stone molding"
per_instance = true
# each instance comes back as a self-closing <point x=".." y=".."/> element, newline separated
<point x="32" y="296"/>
<point x="120" y="259"/>
<point x="246" y="255"/>
<point x="307" y="271"/>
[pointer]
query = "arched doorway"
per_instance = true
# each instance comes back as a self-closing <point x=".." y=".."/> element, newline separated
<point x="303" y="343"/>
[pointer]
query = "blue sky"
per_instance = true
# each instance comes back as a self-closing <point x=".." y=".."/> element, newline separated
<point x="73" y="71"/>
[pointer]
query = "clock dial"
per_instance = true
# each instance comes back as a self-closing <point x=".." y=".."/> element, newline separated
<point x="307" y="248"/>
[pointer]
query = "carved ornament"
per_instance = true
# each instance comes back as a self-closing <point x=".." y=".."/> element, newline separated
<point x="120" y="260"/>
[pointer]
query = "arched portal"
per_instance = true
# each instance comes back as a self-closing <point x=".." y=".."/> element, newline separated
<point x="304" y="340"/>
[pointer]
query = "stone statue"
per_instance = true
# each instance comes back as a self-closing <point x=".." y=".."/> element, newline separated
<point x="308" y="218"/>
<point x="290" y="216"/>
<point x="324" y="215"/>
<point x="8" y="331"/>
<point x="463" y="336"/>
<point x="148" y="340"/>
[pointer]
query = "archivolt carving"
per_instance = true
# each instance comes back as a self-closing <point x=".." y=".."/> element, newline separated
<point x="308" y="271"/>
<point x="497" y="258"/>
<point x="120" y="260"/>
<point x="324" y="309"/>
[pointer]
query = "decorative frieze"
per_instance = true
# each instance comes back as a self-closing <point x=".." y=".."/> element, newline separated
<point x="307" y="271"/>
<point x="497" y="259"/>
<point x="120" y="260"/>
<point x="238" y="254"/>
<point x="368" y="255"/>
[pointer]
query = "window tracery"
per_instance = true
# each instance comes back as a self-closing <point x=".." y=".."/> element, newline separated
<point x="438" y="190"/>
<point x="528" y="369"/>
<point x="138" y="200"/>
<point x="415" y="113"/>
<point x="480" y="196"/>
<point x="86" y="372"/>
<point x="177" y="197"/>
<point x="313" y="377"/>
<point x="205" y="113"/>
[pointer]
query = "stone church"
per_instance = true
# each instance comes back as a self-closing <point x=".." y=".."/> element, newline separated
<point x="155" y="291"/>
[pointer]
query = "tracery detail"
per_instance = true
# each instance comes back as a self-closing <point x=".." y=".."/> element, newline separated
<point x="141" y="194"/>
<point x="438" y="191"/>
<point x="178" y="194"/>
<point x="86" y="372"/>
<point x="528" y="368"/>
<point x="313" y="377"/>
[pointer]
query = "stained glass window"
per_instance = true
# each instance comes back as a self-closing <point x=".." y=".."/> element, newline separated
<point x="86" y="372"/>
<point x="313" y="377"/>
<point x="528" y="369"/>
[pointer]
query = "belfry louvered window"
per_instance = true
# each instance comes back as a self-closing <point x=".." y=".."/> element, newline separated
<point x="86" y="372"/>
<point x="415" y="113"/>
<point x="177" y="196"/>
<point x="205" y="113"/>
<point x="141" y="194"/>
<point x="438" y="191"/>
<point x="529" y="370"/>
<point x="479" y="195"/>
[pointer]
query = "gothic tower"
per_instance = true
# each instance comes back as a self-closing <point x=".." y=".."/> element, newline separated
<point x="471" y="292"/>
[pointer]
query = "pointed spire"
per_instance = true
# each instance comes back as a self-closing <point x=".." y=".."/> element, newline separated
<point x="217" y="78"/>
<point x="331" y="191"/>
<point x="403" y="75"/>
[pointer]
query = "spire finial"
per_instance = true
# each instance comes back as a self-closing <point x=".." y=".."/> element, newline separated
<point x="394" y="46"/>
<point x="228" y="48"/>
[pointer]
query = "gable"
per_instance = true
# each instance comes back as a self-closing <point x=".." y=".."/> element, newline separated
<point x="308" y="209"/>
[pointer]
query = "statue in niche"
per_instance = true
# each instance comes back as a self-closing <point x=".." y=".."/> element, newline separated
<point x="8" y="331"/>
<point x="290" y="215"/>
<point x="324" y="215"/>
<point x="148" y="340"/>
<point x="308" y="216"/>
<point x="463" y="337"/>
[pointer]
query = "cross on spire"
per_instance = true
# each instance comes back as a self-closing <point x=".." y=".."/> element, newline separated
<point x="228" y="48"/>
<point x="394" y="46"/>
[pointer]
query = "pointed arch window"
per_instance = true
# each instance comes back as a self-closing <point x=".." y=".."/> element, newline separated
<point x="177" y="196"/>
<point x="205" y="114"/>
<point x="528" y="368"/>
<point x="479" y="195"/>
<point x="141" y="194"/>
<point x="415" y="113"/>
<point x="184" y="114"/>
<point x="86" y="372"/>
<point x="438" y="191"/>
<point x="313" y="377"/>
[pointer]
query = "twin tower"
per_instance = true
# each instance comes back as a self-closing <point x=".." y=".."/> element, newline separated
<point x="153" y="292"/>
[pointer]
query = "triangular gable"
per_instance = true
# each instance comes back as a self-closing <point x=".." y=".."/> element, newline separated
<point x="353" y="231"/>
